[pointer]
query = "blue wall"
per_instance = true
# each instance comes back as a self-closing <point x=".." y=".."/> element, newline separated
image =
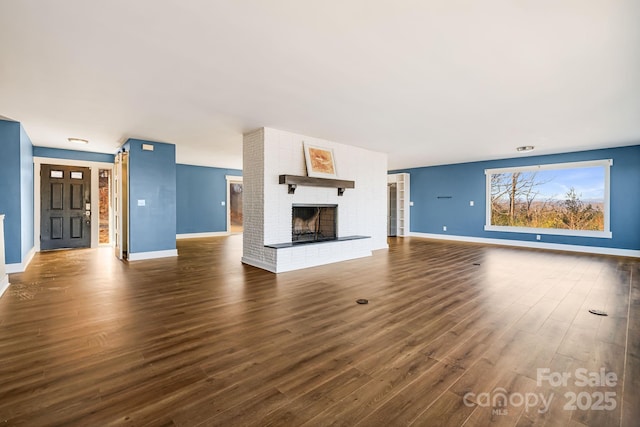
<point x="26" y="192"/>
<point x="152" y="178"/>
<point x="10" y="204"/>
<point x="16" y="191"/>
<point x="57" y="153"/>
<point x="466" y="181"/>
<point x="199" y="193"/>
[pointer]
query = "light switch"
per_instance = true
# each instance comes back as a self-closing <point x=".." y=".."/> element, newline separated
<point x="410" y="203"/>
<point x="142" y="202"/>
<point x="471" y="203"/>
<point x="223" y="203"/>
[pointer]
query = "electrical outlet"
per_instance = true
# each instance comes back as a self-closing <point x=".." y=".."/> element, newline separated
<point x="444" y="228"/>
<point x="538" y="237"/>
<point x="471" y="203"/>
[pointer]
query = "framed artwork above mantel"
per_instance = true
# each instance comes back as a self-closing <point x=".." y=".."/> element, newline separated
<point x="320" y="161"/>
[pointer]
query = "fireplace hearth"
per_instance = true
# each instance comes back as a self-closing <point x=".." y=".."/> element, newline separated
<point x="313" y="223"/>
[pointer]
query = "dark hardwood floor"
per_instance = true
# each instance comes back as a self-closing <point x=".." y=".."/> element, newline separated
<point x="203" y="340"/>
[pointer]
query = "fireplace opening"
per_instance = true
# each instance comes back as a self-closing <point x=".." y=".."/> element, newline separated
<point x="313" y="223"/>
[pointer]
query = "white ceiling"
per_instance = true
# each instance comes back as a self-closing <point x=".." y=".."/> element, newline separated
<point x="428" y="82"/>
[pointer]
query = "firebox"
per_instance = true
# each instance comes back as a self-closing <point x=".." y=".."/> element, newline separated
<point x="313" y="223"/>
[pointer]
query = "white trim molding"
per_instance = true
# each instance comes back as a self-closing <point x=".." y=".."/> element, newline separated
<point x="533" y="245"/>
<point x="4" y="284"/>
<point x="554" y="231"/>
<point x="4" y="277"/>
<point x="20" y="267"/>
<point x="547" y="166"/>
<point x="200" y="235"/>
<point x="139" y="256"/>
<point x="95" y="192"/>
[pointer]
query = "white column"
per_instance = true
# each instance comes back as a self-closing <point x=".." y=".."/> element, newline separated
<point x="4" y="278"/>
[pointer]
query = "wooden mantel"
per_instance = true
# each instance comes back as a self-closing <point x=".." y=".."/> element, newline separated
<point x="294" y="180"/>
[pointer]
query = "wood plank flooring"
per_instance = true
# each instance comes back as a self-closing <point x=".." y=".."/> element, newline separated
<point x="202" y="340"/>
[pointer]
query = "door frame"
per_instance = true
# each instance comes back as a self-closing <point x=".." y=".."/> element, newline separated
<point x="119" y="218"/>
<point x="230" y="179"/>
<point x="95" y="192"/>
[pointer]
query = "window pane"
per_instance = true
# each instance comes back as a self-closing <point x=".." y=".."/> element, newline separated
<point x="568" y="198"/>
<point x="56" y="174"/>
<point x="76" y="175"/>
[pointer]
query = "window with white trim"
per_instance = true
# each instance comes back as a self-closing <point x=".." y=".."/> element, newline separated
<point x="570" y="199"/>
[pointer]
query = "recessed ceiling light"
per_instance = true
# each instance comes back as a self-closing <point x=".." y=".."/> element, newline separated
<point x="78" y="140"/>
<point x="525" y="148"/>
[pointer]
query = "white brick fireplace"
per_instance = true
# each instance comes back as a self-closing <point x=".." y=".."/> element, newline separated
<point x="269" y="153"/>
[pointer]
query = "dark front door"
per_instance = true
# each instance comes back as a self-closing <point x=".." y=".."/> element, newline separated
<point x="65" y="200"/>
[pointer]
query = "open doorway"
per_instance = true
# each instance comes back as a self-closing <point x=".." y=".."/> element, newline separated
<point x="234" y="204"/>
<point x="104" y="193"/>
<point x="398" y="203"/>
<point x="392" y="209"/>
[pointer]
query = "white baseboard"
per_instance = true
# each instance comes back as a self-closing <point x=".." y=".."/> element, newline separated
<point x="20" y="267"/>
<point x="139" y="256"/>
<point x="14" y="268"/>
<point x="29" y="257"/>
<point x="4" y="284"/>
<point x="534" y="245"/>
<point x="258" y="264"/>
<point x="198" y="235"/>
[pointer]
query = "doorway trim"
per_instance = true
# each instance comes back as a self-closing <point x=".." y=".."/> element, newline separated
<point x="230" y="179"/>
<point x="95" y="201"/>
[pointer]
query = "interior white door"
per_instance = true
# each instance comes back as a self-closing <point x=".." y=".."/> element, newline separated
<point x="117" y="205"/>
<point x="121" y="204"/>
